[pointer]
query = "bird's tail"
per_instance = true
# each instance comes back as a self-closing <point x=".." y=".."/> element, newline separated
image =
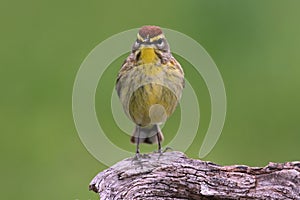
<point x="149" y="135"/>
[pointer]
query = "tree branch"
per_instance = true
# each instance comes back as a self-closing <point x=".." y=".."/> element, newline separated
<point x="174" y="176"/>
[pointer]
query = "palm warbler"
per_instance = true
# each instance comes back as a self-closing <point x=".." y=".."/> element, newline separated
<point x="149" y="85"/>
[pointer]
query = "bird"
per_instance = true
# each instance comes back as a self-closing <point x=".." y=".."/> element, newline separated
<point x="149" y="85"/>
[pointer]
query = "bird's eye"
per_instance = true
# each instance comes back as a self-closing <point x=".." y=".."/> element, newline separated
<point x="160" y="43"/>
<point x="136" y="44"/>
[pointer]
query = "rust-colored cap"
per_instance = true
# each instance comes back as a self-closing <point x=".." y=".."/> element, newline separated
<point x="150" y="31"/>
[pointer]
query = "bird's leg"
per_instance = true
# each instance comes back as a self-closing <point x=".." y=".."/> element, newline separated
<point x="158" y="141"/>
<point x="160" y="150"/>
<point x="137" y="152"/>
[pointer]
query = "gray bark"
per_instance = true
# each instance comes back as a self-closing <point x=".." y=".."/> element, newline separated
<point x="174" y="176"/>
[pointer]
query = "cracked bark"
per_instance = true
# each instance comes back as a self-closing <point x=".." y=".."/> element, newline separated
<point x="174" y="176"/>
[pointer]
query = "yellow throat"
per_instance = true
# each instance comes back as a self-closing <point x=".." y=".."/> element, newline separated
<point x="148" y="55"/>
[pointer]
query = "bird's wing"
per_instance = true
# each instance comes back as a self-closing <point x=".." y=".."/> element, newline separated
<point x="128" y="64"/>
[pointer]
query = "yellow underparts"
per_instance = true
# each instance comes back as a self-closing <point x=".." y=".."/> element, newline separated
<point x="148" y="55"/>
<point x="152" y="104"/>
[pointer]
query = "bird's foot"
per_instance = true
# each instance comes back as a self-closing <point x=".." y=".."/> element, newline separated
<point x="140" y="157"/>
<point x="161" y="151"/>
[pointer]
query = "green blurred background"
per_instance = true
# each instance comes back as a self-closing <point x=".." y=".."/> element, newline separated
<point x="255" y="45"/>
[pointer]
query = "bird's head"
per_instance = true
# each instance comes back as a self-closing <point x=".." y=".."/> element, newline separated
<point x="150" y="42"/>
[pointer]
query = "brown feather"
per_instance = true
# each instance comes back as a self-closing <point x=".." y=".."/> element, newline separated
<point x="150" y="31"/>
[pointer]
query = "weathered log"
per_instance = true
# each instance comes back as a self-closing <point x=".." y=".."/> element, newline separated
<point x="174" y="176"/>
